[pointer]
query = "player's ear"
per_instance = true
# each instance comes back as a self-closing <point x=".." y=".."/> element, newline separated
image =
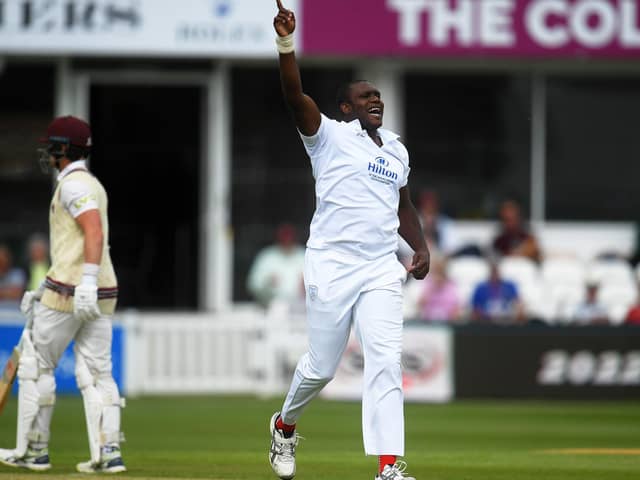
<point x="346" y="108"/>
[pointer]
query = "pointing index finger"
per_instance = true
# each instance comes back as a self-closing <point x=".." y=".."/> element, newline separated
<point x="280" y="7"/>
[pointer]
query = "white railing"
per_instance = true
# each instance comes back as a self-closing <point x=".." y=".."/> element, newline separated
<point x="240" y="351"/>
<point x="245" y="351"/>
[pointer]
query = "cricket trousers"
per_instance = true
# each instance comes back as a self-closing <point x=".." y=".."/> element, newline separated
<point x="51" y="334"/>
<point x="344" y="291"/>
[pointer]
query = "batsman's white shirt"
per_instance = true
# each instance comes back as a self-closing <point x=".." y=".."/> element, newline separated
<point x="357" y="188"/>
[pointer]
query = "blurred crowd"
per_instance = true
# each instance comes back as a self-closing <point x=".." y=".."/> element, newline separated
<point x="510" y="282"/>
<point x="506" y="282"/>
<point x="20" y="273"/>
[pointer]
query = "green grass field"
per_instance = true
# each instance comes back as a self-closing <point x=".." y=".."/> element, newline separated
<point x="227" y="438"/>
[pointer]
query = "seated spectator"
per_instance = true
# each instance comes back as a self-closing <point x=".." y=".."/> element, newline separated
<point x="38" y="261"/>
<point x="590" y="311"/>
<point x="12" y="281"/>
<point x="439" y="301"/>
<point x="276" y="272"/>
<point x="514" y="238"/>
<point x="496" y="300"/>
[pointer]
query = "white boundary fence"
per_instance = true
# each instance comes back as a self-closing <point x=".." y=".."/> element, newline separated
<point x="248" y="351"/>
<point x="245" y="351"/>
<point x="240" y="351"/>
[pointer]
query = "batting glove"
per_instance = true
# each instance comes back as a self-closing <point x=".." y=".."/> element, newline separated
<point x="85" y="302"/>
<point x="29" y="299"/>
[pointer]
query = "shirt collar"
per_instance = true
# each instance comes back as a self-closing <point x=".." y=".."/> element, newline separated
<point x="386" y="135"/>
<point x="73" y="166"/>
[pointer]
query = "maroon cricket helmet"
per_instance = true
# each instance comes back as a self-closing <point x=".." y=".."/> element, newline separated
<point x="68" y="130"/>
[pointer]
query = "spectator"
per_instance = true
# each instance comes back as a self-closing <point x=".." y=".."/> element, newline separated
<point x="496" y="300"/>
<point x="514" y="237"/>
<point x="439" y="301"/>
<point x="590" y="311"/>
<point x="12" y="281"/>
<point x="276" y="273"/>
<point x="38" y="261"/>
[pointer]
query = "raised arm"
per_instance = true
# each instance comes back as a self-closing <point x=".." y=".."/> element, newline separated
<point x="411" y="231"/>
<point x="305" y="111"/>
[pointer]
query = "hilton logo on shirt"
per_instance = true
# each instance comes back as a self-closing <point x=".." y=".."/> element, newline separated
<point x="380" y="172"/>
<point x="382" y="161"/>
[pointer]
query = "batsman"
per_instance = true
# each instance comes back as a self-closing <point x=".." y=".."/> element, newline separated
<point x="75" y="302"/>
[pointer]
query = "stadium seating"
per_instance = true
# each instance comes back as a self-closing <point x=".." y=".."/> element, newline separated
<point x="617" y="286"/>
<point x="467" y="272"/>
<point x="610" y="271"/>
<point x="563" y="271"/>
<point x="560" y="301"/>
<point x="550" y="291"/>
<point x="525" y="274"/>
<point x="617" y="299"/>
<point x="563" y="288"/>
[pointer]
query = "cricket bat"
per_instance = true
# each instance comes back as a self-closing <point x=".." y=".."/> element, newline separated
<point x="11" y="369"/>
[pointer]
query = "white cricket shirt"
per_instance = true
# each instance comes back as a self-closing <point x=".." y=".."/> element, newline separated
<point x="357" y="188"/>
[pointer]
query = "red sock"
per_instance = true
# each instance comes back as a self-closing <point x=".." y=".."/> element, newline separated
<point x="284" y="427"/>
<point x="386" y="460"/>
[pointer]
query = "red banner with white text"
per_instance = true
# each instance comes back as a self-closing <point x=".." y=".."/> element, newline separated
<point x="461" y="28"/>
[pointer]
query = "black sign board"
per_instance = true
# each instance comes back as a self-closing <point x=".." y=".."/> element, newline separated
<point x="547" y="362"/>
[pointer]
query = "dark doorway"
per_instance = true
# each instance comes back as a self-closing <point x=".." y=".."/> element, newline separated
<point x="147" y="154"/>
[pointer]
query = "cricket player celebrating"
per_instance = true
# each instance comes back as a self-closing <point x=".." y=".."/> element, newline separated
<point x="352" y="275"/>
<point x="76" y="302"/>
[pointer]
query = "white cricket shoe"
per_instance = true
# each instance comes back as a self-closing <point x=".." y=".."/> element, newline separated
<point x="394" y="472"/>
<point x="110" y="462"/>
<point x="282" y="454"/>
<point x="36" y="460"/>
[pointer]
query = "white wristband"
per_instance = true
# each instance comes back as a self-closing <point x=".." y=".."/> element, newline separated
<point x="90" y="273"/>
<point x="285" y="44"/>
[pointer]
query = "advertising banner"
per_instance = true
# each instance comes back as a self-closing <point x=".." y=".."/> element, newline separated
<point x="219" y="28"/>
<point x="460" y="28"/>
<point x="548" y="362"/>
<point x="427" y="370"/>
<point x="65" y="373"/>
